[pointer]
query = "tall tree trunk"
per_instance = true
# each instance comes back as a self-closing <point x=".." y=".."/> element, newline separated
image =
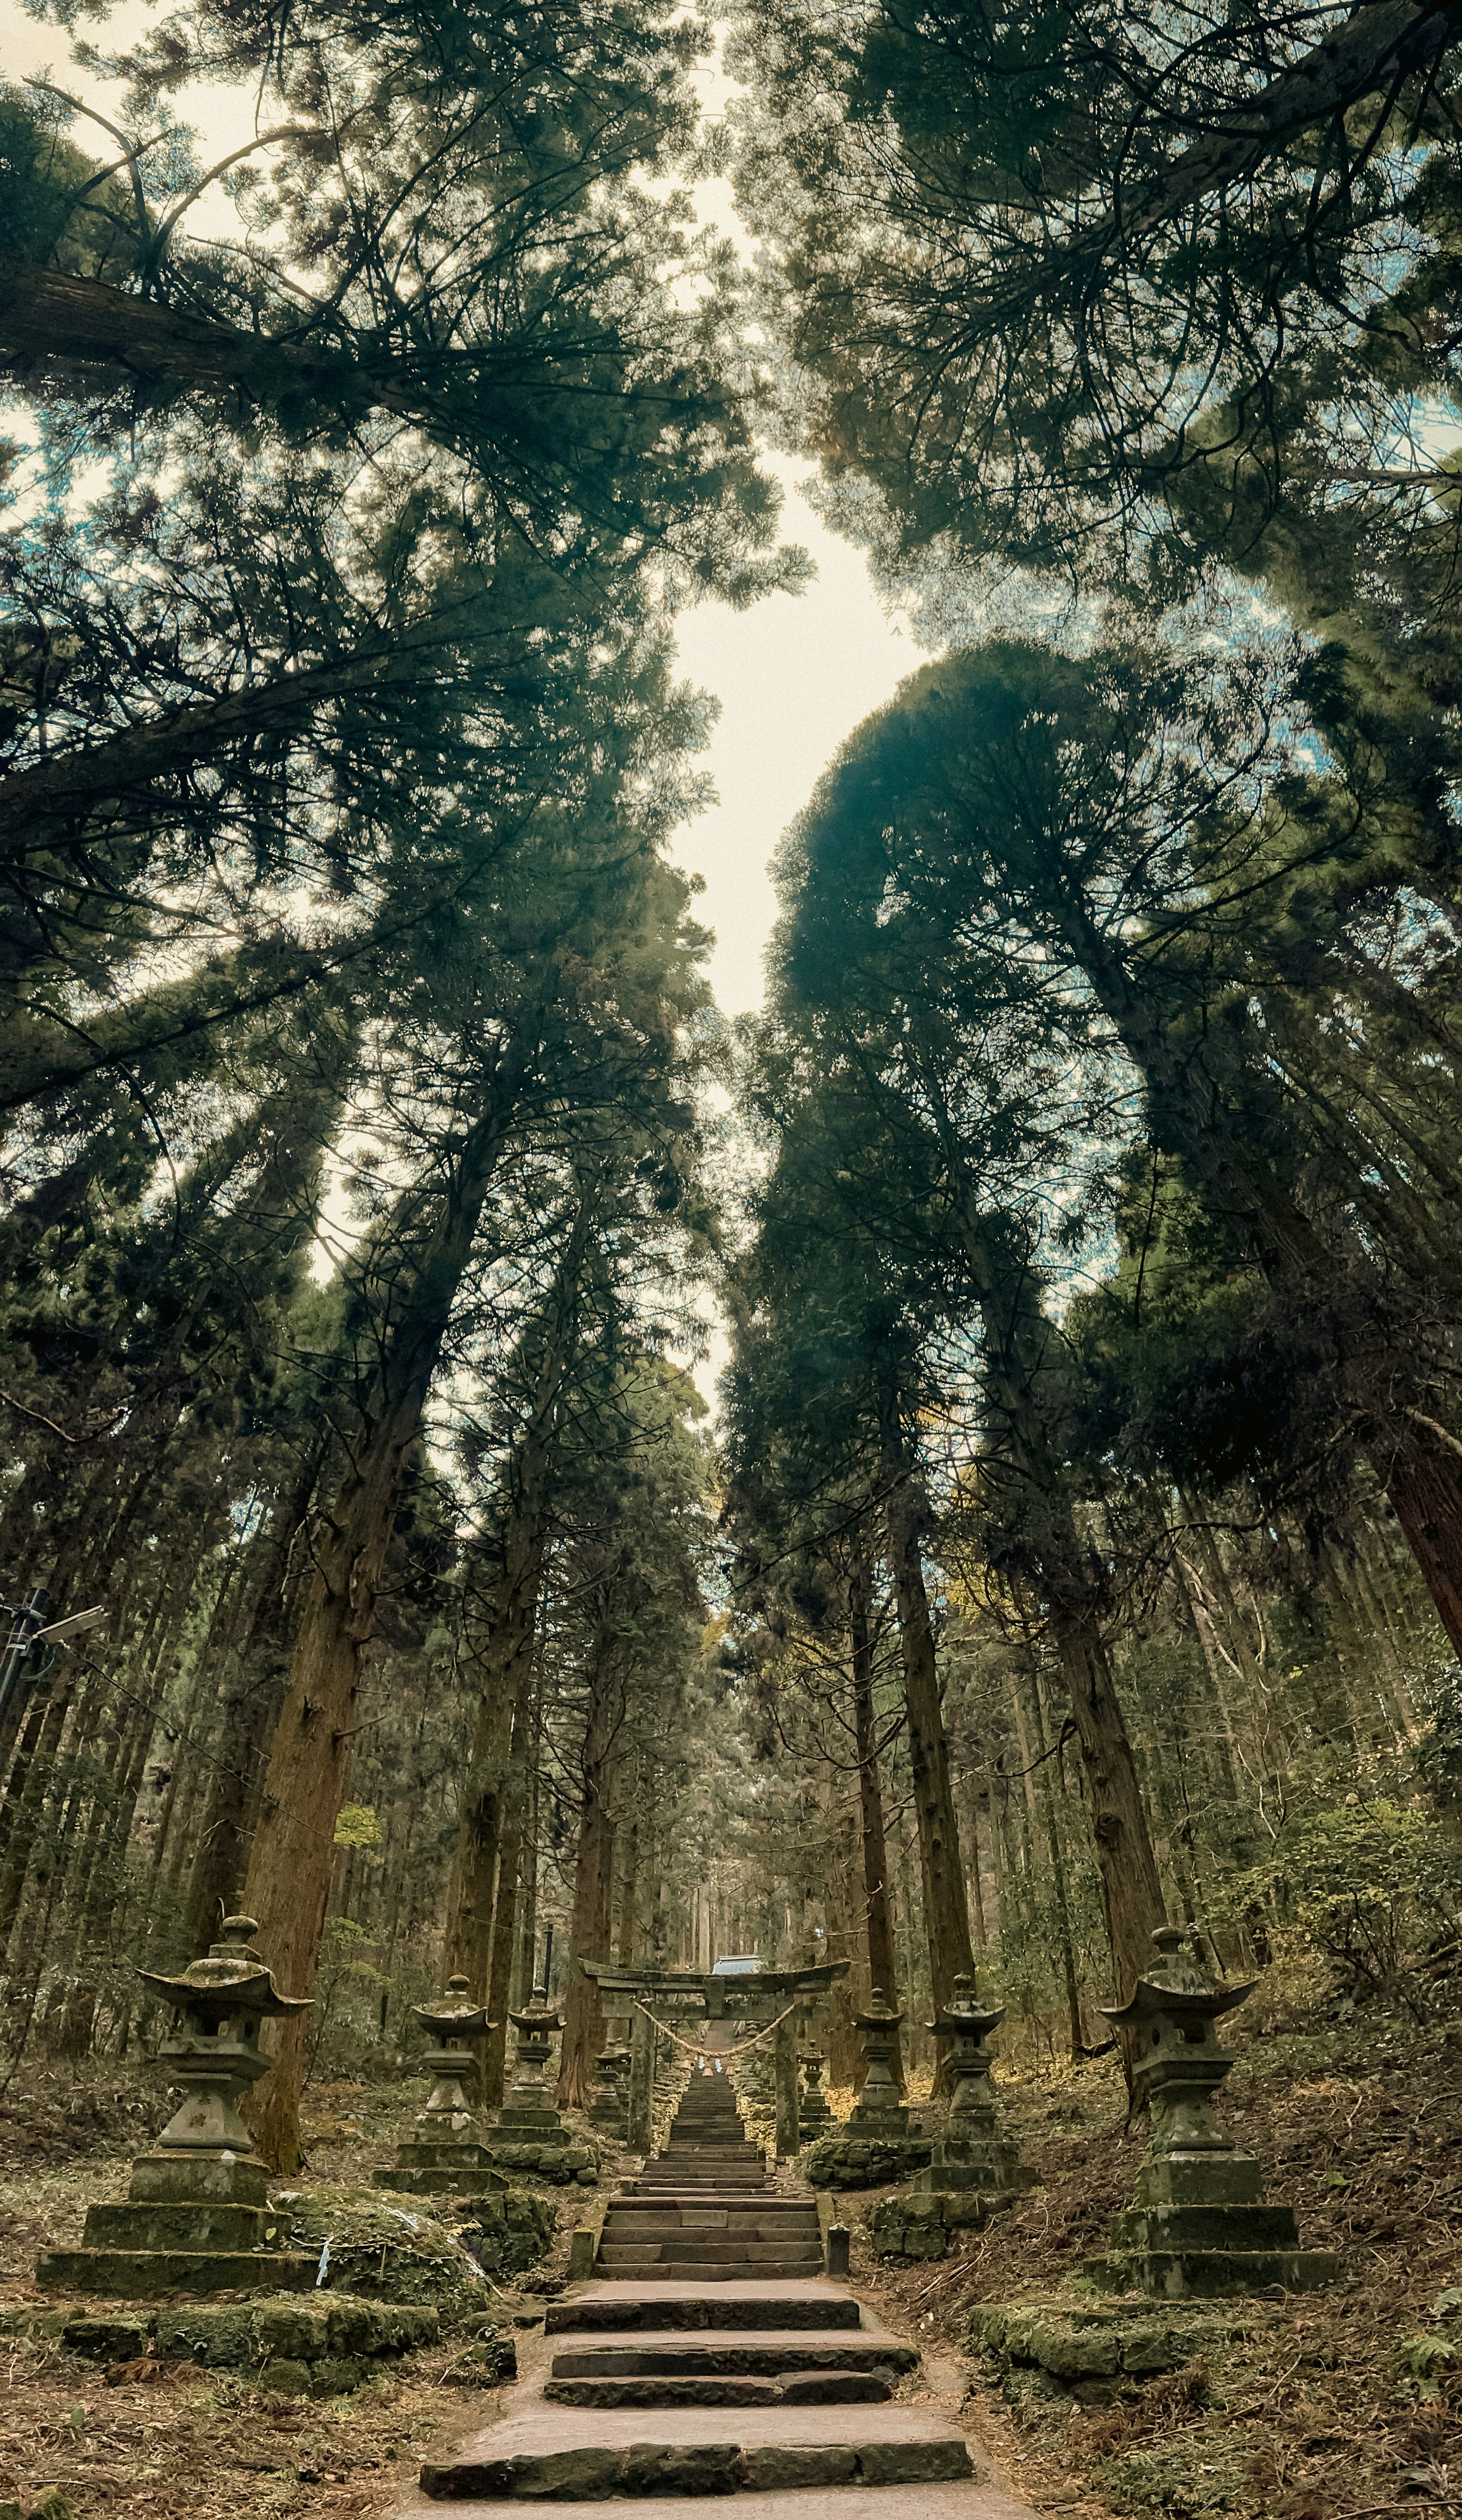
<point x="882" y="1972"/>
<point x="253" y="1704"/>
<point x="50" y="318"/>
<point x="506" y="1930"/>
<point x="905" y="1517"/>
<point x="292" y="1852"/>
<point x="589" y="1924"/>
<point x="1047" y="1547"/>
<point x="32" y="1776"/>
<point x="508" y="1646"/>
<point x="1039" y="1770"/>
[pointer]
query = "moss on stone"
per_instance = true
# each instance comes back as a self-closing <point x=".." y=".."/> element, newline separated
<point x="381" y="2251"/>
<point x="843" y="2161"/>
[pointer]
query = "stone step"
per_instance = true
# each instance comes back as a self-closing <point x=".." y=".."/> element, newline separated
<point x="703" y="2271"/>
<point x="708" y="2155"/>
<point x="747" y="2233"/>
<point x="749" y="2254"/>
<point x="707" y="2188"/>
<point x="720" y="2140"/>
<point x="702" y="2174"/>
<point x="785" y="2389"/>
<point x="614" y="2310"/>
<point x="695" y="2226"/>
<point x="756" y="2253"/>
<point x="694" y="2191"/>
<point x="733" y="2354"/>
<point x="715" y="2209"/>
<point x="147" y="2274"/>
<point x="705" y="2174"/>
<point x="570" y="2453"/>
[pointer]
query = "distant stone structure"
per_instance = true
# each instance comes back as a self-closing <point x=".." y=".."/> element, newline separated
<point x="444" y="2156"/>
<point x="976" y="2165"/>
<point x="196" y="2215"/>
<point x="609" y="2100"/>
<point x="878" y="2115"/>
<point x="814" y="2116"/>
<point x="527" y="2133"/>
<point x="1198" y="2223"/>
<point x="976" y="2153"/>
<point x="879" y="2142"/>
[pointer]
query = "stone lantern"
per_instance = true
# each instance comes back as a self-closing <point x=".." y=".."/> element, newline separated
<point x="529" y="2117"/>
<point x="444" y="2158"/>
<point x="975" y="2152"/>
<point x="879" y="2112"/>
<point x="814" y="2117"/>
<point x="1198" y="2223"/>
<point x="197" y="2212"/>
<point x="608" y="2106"/>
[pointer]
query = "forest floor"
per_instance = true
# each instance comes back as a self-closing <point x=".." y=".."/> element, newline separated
<point x="1342" y="2405"/>
<point x="193" y="2445"/>
<point x="1339" y="2405"/>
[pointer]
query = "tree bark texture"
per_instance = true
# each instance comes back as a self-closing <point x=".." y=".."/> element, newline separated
<point x="593" y="1871"/>
<point x="304" y="1786"/>
<point x="906" y="1517"/>
<point x="508" y="1645"/>
<point x="1045" y="1534"/>
<point x="882" y="1971"/>
<point x="251" y="1711"/>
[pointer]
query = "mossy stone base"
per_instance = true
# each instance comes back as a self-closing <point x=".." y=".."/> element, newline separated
<point x="464" y="2183"/>
<point x="190" y="2221"/>
<point x="848" y="2160"/>
<point x="146" y="2275"/>
<point x="529" y="2126"/>
<point x="1242" y="2229"/>
<point x="916" y="2221"/>
<point x="433" y="2251"/>
<point x="562" y="2163"/>
<point x="320" y="2347"/>
<point x="1073" y="2346"/>
<point x="428" y="2169"/>
<point x="1206" y="2275"/>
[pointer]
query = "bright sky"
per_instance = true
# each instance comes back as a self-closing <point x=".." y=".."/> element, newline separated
<point x="794" y="675"/>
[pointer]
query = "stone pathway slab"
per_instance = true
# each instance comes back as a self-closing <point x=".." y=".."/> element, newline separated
<point x="976" y="2501"/>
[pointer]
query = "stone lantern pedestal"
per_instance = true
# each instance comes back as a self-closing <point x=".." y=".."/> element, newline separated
<point x="976" y="2152"/>
<point x="443" y="2157"/>
<point x="528" y="2121"/>
<point x="1198" y="2223"/>
<point x="196" y="2215"/>
<point x="879" y="2115"/>
<point x="609" y="2103"/>
<point x="814" y="2116"/>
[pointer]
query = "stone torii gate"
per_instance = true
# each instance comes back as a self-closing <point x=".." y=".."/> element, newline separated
<point x="723" y="2002"/>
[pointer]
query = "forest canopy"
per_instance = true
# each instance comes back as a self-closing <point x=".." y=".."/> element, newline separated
<point x="1075" y="1538"/>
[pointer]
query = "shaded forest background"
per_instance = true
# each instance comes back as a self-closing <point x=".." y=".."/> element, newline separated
<point x="1080" y="1534"/>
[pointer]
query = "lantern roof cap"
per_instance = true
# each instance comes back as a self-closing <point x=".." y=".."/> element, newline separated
<point x="880" y="2014"/>
<point x="1176" y="1985"/>
<point x="540" y="2014"/>
<point x="964" y="2013"/>
<point x="455" y="2012"/>
<point x="229" y="1970"/>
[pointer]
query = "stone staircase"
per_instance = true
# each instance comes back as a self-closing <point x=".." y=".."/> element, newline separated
<point x="711" y="2297"/>
<point x="702" y="2209"/>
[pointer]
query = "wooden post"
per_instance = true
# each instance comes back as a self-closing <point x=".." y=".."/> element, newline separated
<point x="642" y="2081"/>
<point x="784" y="2054"/>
